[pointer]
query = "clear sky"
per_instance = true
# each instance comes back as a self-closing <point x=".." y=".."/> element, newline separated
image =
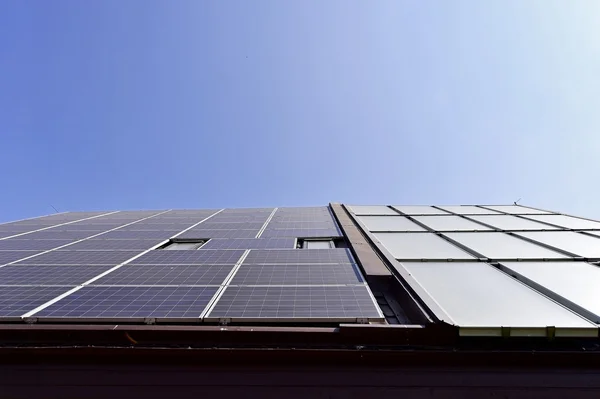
<point x="193" y="104"/>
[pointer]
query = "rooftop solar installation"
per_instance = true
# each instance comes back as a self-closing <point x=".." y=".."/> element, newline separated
<point x="255" y="267"/>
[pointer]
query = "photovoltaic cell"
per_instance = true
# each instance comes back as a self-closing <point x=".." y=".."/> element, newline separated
<point x="80" y="258"/>
<point x="201" y="256"/>
<point x="156" y="226"/>
<point x="49" y="275"/>
<point x="252" y="243"/>
<point x="344" y="302"/>
<point x="11" y="256"/>
<point x="16" y="301"/>
<point x="303" y="274"/>
<point x="131" y="302"/>
<point x="166" y="275"/>
<point x="31" y="245"/>
<point x="296" y="256"/>
<point x="229" y="226"/>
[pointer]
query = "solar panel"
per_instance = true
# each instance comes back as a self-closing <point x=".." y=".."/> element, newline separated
<point x="16" y="301"/>
<point x="251" y="243"/>
<point x="31" y="245"/>
<point x="296" y="256"/>
<point x="156" y="226"/>
<point x="92" y="228"/>
<point x="209" y="225"/>
<point x="301" y="233"/>
<point x="58" y="235"/>
<point x="112" y="245"/>
<point x="301" y="225"/>
<point x="167" y="275"/>
<point x="189" y="257"/>
<point x="49" y="275"/>
<point x="140" y="235"/>
<point x="341" y="302"/>
<point x="198" y="233"/>
<point x="11" y="256"/>
<point x="131" y="303"/>
<point x="303" y="274"/>
<point x="80" y="258"/>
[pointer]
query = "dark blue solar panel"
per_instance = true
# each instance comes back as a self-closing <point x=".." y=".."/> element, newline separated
<point x="48" y="275"/>
<point x="189" y="257"/>
<point x="139" y="235"/>
<point x="80" y="258"/>
<point x="343" y="302"/>
<point x="229" y="226"/>
<point x="196" y="233"/>
<point x="300" y="225"/>
<point x="296" y="256"/>
<point x="305" y="233"/>
<point x="58" y="235"/>
<point x="113" y="245"/>
<point x="131" y="302"/>
<point x="11" y="256"/>
<point x="16" y="301"/>
<point x="303" y="274"/>
<point x="17" y="244"/>
<point x="251" y="243"/>
<point x="166" y="275"/>
<point x="156" y="226"/>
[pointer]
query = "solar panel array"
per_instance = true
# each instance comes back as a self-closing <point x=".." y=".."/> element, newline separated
<point x="490" y="267"/>
<point x="110" y="266"/>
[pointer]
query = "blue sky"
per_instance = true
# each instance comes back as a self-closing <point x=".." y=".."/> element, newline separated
<point x="194" y="104"/>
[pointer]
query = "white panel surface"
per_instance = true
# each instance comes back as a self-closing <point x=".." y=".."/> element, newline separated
<point x="478" y="295"/>
<point x="389" y="223"/>
<point x="577" y="243"/>
<point x="567" y="221"/>
<point x="419" y="210"/>
<point x="420" y="246"/>
<point x="468" y="210"/>
<point x="516" y="209"/>
<point x="449" y="223"/>
<point x="503" y="246"/>
<point x="577" y="282"/>
<point x="508" y="222"/>
<point x="372" y="210"/>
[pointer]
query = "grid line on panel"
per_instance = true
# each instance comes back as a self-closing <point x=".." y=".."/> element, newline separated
<point x="251" y="243"/>
<point x="50" y="227"/>
<point x="187" y="257"/>
<point x="66" y="245"/>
